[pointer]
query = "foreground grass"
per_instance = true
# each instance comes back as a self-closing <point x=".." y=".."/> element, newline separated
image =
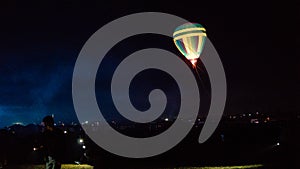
<point x="64" y="166"/>
<point x="72" y="166"/>
<point x="224" y="167"/>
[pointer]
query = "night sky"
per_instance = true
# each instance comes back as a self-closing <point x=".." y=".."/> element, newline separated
<point x="40" y="41"/>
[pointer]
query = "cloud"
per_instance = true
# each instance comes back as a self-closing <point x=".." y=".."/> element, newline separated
<point x="26" y="92"/>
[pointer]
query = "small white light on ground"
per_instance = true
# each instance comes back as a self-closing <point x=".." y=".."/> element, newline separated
<point x="83" y="146"/>
<point x="278" y="144"/>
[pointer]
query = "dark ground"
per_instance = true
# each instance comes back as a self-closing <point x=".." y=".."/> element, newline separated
<point x="242" y="144"/>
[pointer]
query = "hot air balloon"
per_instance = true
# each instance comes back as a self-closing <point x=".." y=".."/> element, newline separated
<point x="189" y="38"/>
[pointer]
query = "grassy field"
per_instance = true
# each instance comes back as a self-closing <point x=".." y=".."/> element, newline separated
<point x="223" y="167"/>
<point x="72" y="166"/>
<point x="64" y="166"/>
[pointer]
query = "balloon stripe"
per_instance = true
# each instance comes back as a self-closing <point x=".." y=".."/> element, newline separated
<point x="189" y="35"/>
<point x="197" y="41"/>
<point x="188" y="30"/>
<point x="181" y="46"/>
<point x="188" y="25"/>
<point x="185" y="41"/>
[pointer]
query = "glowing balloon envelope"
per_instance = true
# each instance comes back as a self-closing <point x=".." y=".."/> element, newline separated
<point x="189" y="38"/>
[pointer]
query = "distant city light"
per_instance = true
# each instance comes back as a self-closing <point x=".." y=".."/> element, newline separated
<point x="34" y="149"/>
<point x="65" y="132"/>
<point x="80" y="140"/>
<point x="256" y="121"/>
<point x="166" y="119"/>
<point x="83" y="146"/>
<point x="278" y="144"/>
<point x="85" y="122"/>
<point x="18" y="123"/>
<point x="267" y="119"/>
